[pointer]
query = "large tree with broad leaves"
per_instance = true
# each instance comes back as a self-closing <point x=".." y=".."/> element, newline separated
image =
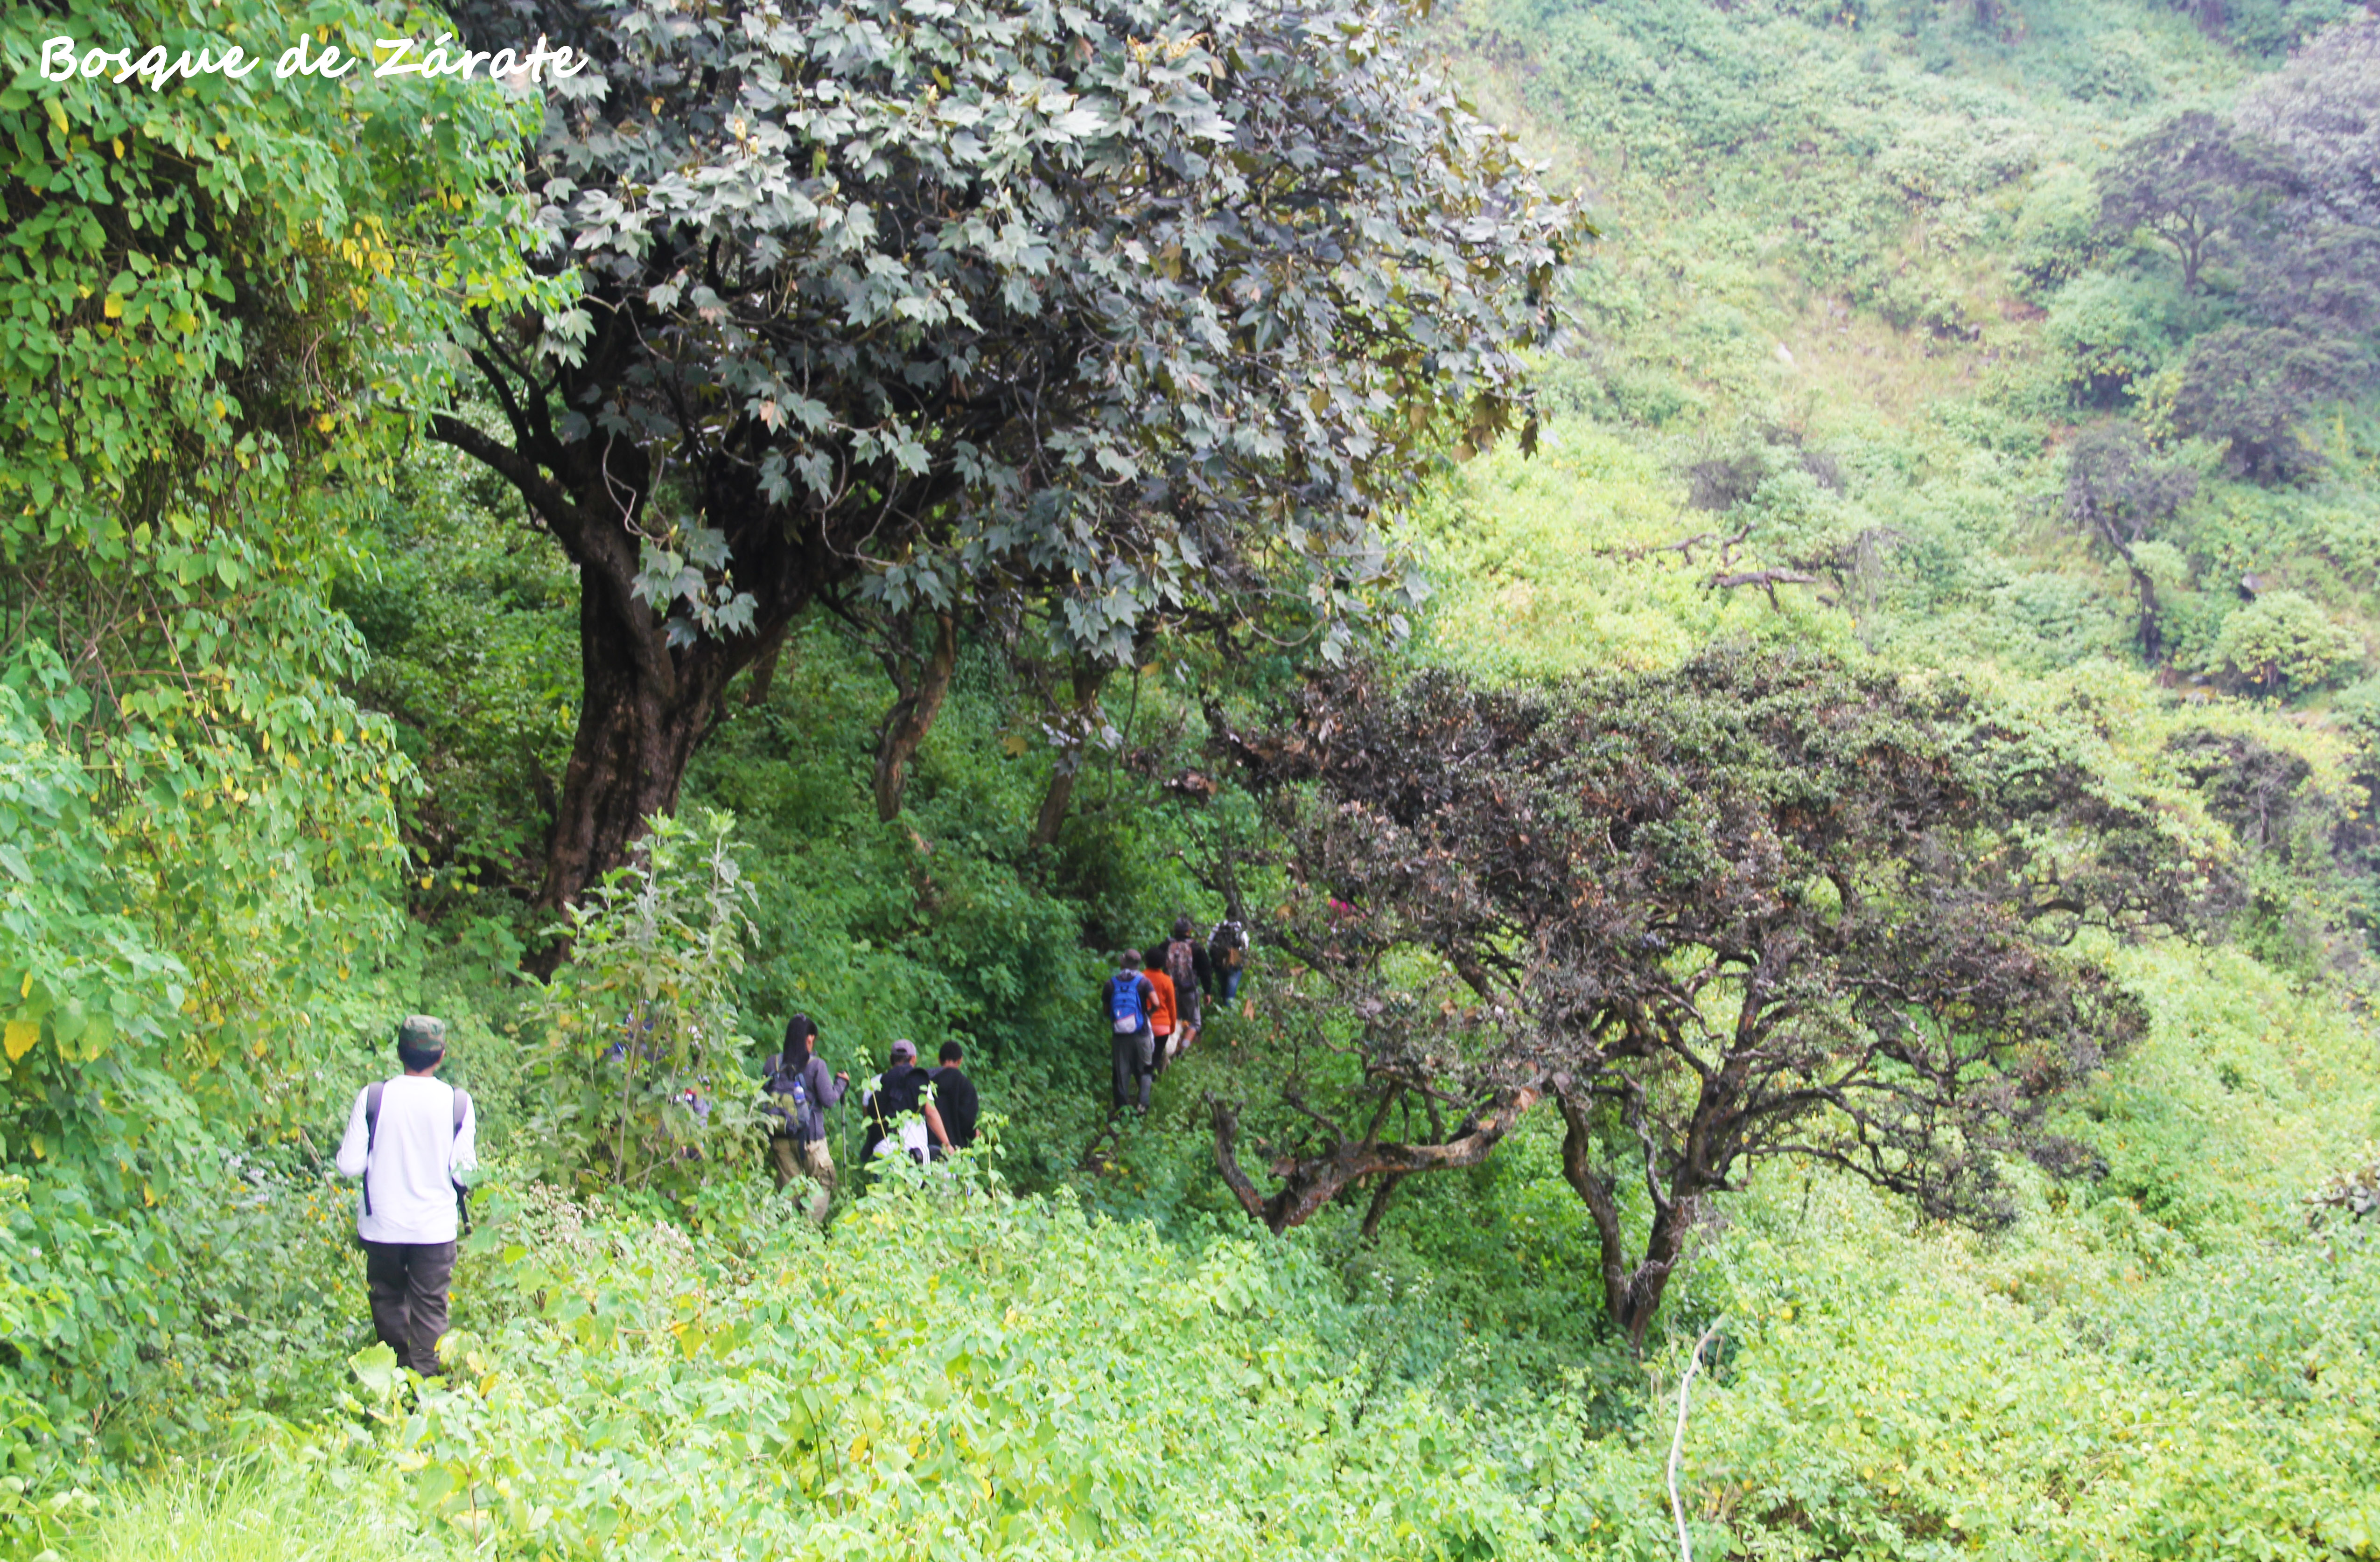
<point x="1130" y="310"/>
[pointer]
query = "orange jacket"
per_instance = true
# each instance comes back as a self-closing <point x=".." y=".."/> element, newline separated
<point x="1161" y="1017"/>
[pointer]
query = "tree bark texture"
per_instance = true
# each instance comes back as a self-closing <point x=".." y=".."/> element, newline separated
<point x="646" y="704"/>
<point x="920" y="697"/>
<point x="631" y="748"/>
<point x="1631" y="1287"/>
<point x="764" y="674"/>
<point x="1383" y="1191"/>
<point x="2151" y="631"/>
<point x="1060" y="792"/>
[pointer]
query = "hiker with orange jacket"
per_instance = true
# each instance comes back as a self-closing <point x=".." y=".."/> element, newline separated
<point x="1164" y="1014"/>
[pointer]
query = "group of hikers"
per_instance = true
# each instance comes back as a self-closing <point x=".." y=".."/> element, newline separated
<point x="412" y="1138"/>
<point x="926" y="1113"/>
<point x="1153" y="1005"/>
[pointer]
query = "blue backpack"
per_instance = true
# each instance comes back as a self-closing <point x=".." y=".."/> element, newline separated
<point x="1123" y="1002"/>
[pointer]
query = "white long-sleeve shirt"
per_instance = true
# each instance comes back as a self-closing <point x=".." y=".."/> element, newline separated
<point x="414" y="1157"/>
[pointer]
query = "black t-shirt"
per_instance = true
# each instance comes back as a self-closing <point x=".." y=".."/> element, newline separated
<point x="955" y="1098"/>
<point x="898" y="1090"/>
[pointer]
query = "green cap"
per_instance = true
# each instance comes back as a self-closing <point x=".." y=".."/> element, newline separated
<point x="422" y="1033"/>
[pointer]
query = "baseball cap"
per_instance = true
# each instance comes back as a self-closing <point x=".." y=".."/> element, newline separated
<point x="904" y="1051"/>
<point x="421" y="1033"/>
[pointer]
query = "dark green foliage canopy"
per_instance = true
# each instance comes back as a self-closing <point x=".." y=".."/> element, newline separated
<point x="2246" y="386"/>
<point x="2300" y="263"/>
<point x="2197" y="184"/>
<point x="1763" y="907"/>
<point x="1133" y="309"/>
<point x="2118" y="489"/>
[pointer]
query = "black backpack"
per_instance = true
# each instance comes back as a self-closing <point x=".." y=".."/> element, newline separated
<point x="1227" y="946"/>
<point x="371" y="1136"/>
<point x="788" y="1096"/>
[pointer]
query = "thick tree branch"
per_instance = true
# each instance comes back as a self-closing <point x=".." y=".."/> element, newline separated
<point x="600" y="551"/>
<point x="1310" y="1183"/>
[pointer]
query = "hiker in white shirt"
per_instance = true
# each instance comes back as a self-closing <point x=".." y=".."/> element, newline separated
<point x="408" y="1139"/>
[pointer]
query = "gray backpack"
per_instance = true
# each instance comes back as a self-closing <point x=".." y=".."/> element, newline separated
<point x="1181" y="965"/>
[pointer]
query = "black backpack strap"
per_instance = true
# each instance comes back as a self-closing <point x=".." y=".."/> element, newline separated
<point x="462" y="1195"/>
<point x="371" y="1133"/>
<point x="371" y="1136"/>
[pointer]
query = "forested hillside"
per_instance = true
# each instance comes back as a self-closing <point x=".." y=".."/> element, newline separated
<point x="1764" y="612"/>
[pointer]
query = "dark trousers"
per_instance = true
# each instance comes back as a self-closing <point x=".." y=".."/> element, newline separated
<point x="407" y="1281"/>
<point x="1135" y="1056"/>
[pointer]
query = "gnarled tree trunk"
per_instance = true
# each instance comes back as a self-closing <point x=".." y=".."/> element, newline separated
<point x="921" y="694"/>
<point x="2144" y="586"/>
<point x="1060" y="793"/>
<point x="1631" y="1287"/>
<point x="764" y="675"/>
<point x="634" y="735"/>
<point x="637" y="734"/>
<point x="646" y="704"/>
<point x="1383" y="1191"/>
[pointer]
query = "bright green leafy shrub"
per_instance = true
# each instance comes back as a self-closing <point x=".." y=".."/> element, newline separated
<point x="218" y="311"/>
<point x="638" y="1059"/>
<point x="1891" y="1402"/>
<point x="2054" y="235"/>
<point x="2284" y="640"/>
<point x="2109" y="332"/>
<point x="948" y="1367"/>
<point x="2119" y="71"/>
<point x="473" y="638"/>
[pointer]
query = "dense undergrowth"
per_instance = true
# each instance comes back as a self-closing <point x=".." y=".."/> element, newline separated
<point x="2161" y="1360"/>
<point x="1847" y="322"/>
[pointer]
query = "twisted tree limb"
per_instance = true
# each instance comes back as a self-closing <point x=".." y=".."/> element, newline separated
<point x="1767" y="580"/>
<point x="1310" y="1182"/>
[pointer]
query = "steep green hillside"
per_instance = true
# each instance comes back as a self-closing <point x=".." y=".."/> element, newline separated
<point x="1853" y="310"/>
<point x="1847" y="326"/>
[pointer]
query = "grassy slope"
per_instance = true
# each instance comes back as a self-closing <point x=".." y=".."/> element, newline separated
<point x="2124" y="1370"/>
<point x="1813" y="233"/>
